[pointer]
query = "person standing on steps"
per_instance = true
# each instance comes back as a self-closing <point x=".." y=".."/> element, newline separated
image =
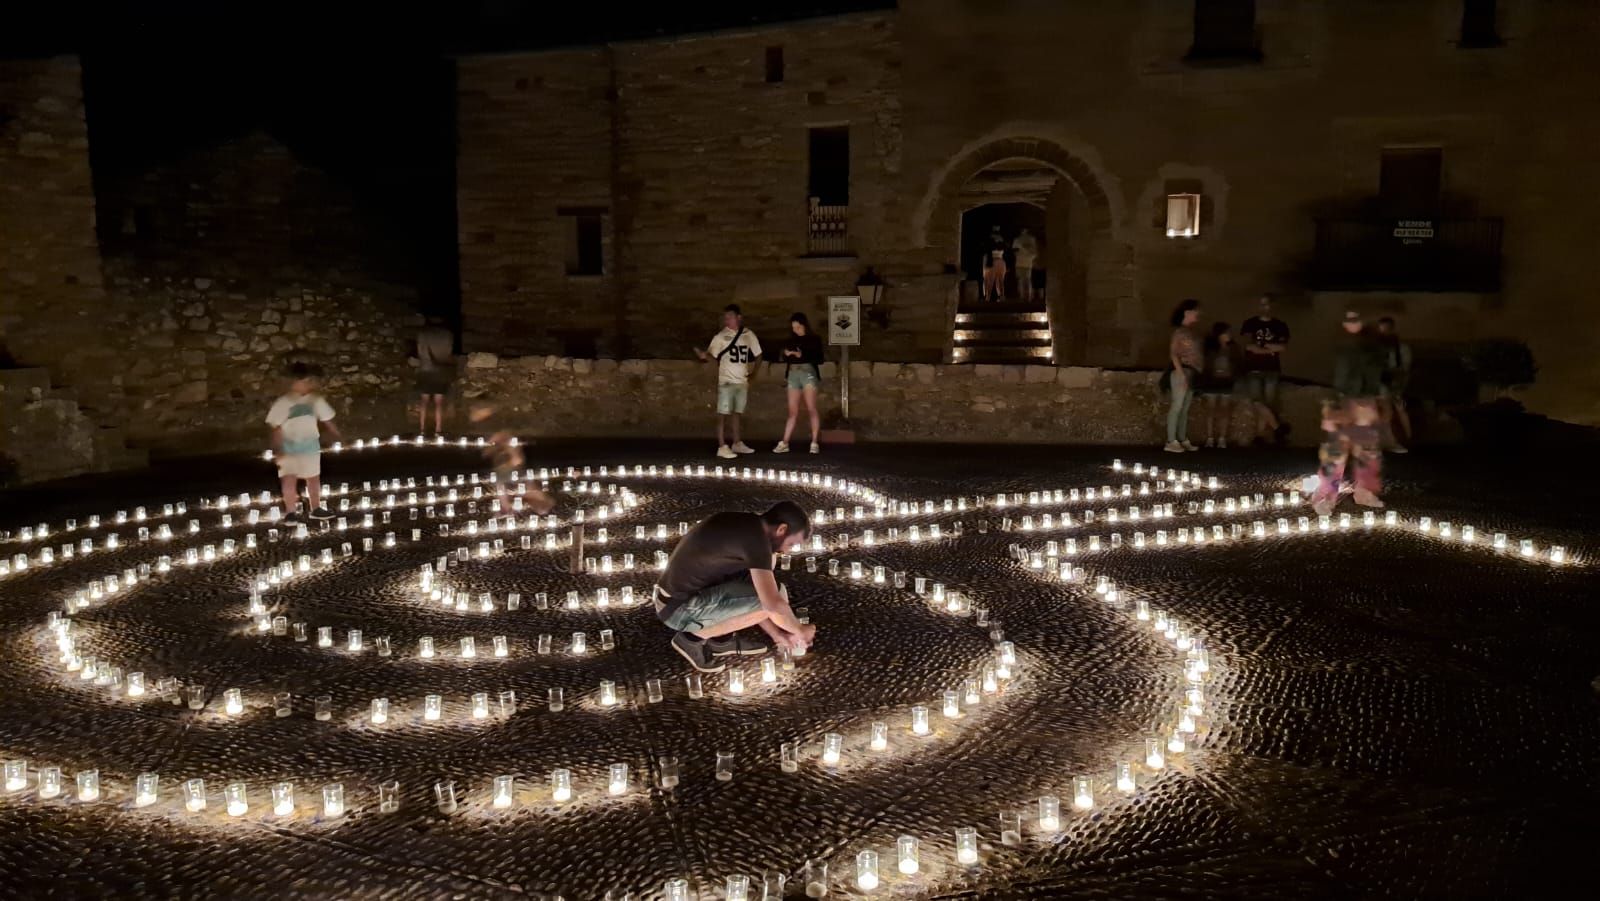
<point x="1350" y="424"/>
<point x="436" y="372"/>
<point x="802" y="373"/>
<point x="994" y="267"/>
<point x="736" y="353"/>
<point x="1263" y="338"/>
<point x="1025" y="250"/>
<point x="1184" y="351"/>
<point x="719" y="580"/>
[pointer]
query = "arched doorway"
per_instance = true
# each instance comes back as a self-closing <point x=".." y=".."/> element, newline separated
<point x="1088" y="272"/>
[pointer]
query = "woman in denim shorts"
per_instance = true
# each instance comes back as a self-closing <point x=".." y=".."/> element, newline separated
<point x="802" y="356"/>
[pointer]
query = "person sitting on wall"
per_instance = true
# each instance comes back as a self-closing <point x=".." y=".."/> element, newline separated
<point x="719" y="580"/>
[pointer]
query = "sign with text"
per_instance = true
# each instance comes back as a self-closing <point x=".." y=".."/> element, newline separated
<point x="844" y="321"/>
<point x="1413" y="231"/>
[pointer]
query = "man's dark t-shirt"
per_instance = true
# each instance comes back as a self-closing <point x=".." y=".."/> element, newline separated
<point x="1261" y="332"/>
<point x="721" y="547"/>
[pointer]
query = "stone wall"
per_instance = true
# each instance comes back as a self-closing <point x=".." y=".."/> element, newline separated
<point x="560" y="396"/>
<point x="51" y="297"/>
<point x="707" y="170"/>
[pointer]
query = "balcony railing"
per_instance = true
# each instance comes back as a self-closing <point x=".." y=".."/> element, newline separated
<point x="828" y="233"/>
<point x="1421" y="254"/>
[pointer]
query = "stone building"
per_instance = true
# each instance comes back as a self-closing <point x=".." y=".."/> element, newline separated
<point x="1425" y="159"/>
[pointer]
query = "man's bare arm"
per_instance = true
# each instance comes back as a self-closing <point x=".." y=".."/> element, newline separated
<point x="773" y="602"/>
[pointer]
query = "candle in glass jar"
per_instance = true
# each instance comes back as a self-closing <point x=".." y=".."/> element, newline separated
<point x="880" y="736"/>
<point x="194" y="795"/>
<point x="1125" y="783"/>
<point x="618" y="782"/>
<point x="480" y="705"/>
<point x="1050" y="813"/>
<point x="919" y="720"/>
<point x="238" y="799"/>
<point x="282" y="800"/>
<point x="832" y="746"/>
<point x="1153" y="757"/>
<point x="967" y="846"/>
<point x="608" y="693"/>
<point x="735" y="681"/>
<point x="561" y="785"/>
<point x="1083" y="793"/>
<point x="867" y="870"/>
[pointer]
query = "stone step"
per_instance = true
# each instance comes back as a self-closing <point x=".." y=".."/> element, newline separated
<point x="1001" y="320"/>
<point x="1008" y="354"/>
<point x="1010" y="306"/>
<point x="1020" y="336"/>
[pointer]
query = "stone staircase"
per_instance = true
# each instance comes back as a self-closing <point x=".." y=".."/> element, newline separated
<point x="45" y="434"/>
<point x="1002" y="332"/>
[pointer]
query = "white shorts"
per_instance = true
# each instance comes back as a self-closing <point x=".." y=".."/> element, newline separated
<point x="300" y="466"/>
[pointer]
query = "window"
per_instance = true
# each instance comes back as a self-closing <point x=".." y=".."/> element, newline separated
<point x="1183" y="215"/>
<point x="582" y="227"/>
<point x="774" y="65"/>
<point x="829" y="178"/>
<point x="1409" y="179"/>
<point x="1479" y="24"/>
<point x="828" y="191"/>
<point x="1225" y="30"/>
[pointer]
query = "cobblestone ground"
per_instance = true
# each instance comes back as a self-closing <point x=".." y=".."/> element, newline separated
<point x="1387" y="711"/>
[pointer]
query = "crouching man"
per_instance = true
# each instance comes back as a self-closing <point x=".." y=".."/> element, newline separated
<point x="719" y="580"/>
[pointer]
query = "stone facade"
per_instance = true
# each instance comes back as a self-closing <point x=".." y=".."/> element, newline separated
<point x="700" y="164"/>
<point x="560" y="396"/>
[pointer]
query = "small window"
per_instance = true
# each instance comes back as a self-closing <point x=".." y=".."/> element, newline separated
<point x="1225" y="30"/>
<point x="1480" y="25"/>
<point x="1183" y="215"/>
<point x="583" y="241"/>
<point x="774" y="65"/>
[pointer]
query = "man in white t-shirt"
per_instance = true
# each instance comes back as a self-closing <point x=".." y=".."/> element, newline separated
<point x="297" y="419"/>
<point x="1026" y="249"/>
<point x="736" y="352"/>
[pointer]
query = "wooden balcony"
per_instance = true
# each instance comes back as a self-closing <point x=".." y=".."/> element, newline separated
<point x="1422" y="255"/>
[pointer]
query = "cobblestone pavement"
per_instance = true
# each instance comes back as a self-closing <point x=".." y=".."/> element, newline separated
<point x="1387" y="712"/>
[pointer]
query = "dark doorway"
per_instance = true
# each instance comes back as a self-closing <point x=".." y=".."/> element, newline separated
<point x="977" y="230"/>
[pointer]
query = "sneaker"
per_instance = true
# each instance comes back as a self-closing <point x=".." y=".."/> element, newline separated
<point x="782" y="448"/>
<point x="1399" y="449"/>
<point x="1211" y="442"/>
<point x="1222" y="444"/>
<point x="1189" y="445"/>
<point x="1324" y="505"/>
<point x="291" y="519"/>
<point x="697" y="653"/>
<point x="816" y="448"/>
<point x="1173" y="447"/>
<point x="735" y="645"/>
<point x="1367" y="499"/>
<point x="739" y="447"/>
<point x="726" y="452"/>
<point x="322" y="513"/>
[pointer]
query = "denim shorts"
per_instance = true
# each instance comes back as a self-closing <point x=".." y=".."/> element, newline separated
<point x="732" y="398"/>
<point x="715" y="604"/>
<point x="1260" y="385"/>
<point x="800" y="377"/>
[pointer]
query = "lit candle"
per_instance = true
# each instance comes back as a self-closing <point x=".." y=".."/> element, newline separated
<point x="608" y="693"/>
<point x="480" y="705"/>
<point x="919" y="720"/>
<point x="580" y="643"/>
<point x="238" y="799"/>
<point x="503" y="791"/>
<point x="561" y="785"/>
<point x="194" y="795"/>
<point x="867" y="870"/>
<point x="282" y="800"/>
<point x="1049" y="813"/>
<point x="832" y="744"/>
<point x="88" y="785"/>
<point x="618" y="783"/>
<point x="967" y="846"/>
<point x="880" y="736"/>
<point x="136" y="685"/>
<point x="735" y="681"/>
<point x="232" y="702"/>
<point x="737" y="888"/>
<point x="907" y="854"/>
<point x="145" y="788"/>
<point x="724" y="766"/>
<point x="49" y="782"/>
<point x="952" y="704"/>
<point x="425" y="647"/>
<point x="990" y="683"/>
<point x="469" y="647"/>
<point x="769" y="670"/>
<point x="1125" y="783"/>
<point x="970" y="694"/>
<point x="501" y="648"/>
<point x="1153" y="758"/>
<point x="1083" y="793"/>
<point x="380" y="711"/>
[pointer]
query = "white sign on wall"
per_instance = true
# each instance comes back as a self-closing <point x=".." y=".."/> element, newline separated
<point x="844" y="321"/>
